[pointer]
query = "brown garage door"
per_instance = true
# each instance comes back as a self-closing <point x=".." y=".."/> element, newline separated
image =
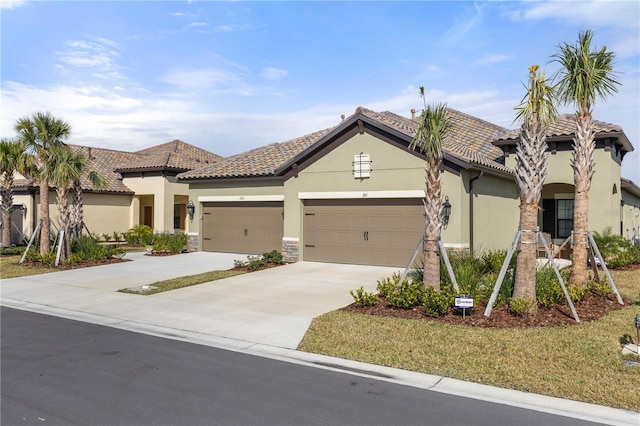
<point x="381" y="232"/>
<point x="246" y="227"/>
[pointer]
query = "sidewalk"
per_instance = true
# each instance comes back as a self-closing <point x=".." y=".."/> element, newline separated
<point x="239" y="314"/>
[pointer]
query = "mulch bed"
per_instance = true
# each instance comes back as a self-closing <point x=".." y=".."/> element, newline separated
<point x="246" y="268"/>
<point x="591" y="308"/>
<point x="76" y="265"/>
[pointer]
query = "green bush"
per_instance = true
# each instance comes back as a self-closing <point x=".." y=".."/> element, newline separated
<point x="493" y="260"/>
<point x="468" y="270"/>
<point x="11" y="251"/>
<point x="274" y="257"/>
<point x="388" y="285"/>
<point x="256" y="262"/>
<point x="522" y="306"/>
<point x="164" y="242"/>
<point x="407" y="295"/>
<point x="548" y="289"/>
<point x="602" y="288"/>
<point x="610" y="244"/>
<point x="139" y="235"/>
<point x="363" y="298"/>
<point x="116" y="236"/>
<point x="578" y="292"/>
<point x="86" y="248"/>
<point x="436" y="304"/>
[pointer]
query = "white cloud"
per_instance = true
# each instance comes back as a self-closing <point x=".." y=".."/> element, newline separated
<point x="271" y="73"/>
<point x="11" y="4"/>
<point x="463" y="25"/>
<point x="593" y="13"/>
<point x="98" y="53"/>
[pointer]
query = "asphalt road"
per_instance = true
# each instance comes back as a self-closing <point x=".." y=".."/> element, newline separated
<point x="58" y="371"/>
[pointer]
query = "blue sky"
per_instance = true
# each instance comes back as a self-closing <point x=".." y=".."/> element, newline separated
<point x="231" y="76"/>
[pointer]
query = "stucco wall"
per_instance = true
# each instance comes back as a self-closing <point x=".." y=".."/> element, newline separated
<point x="236" y="189"/>
<point x="630" y="215"/>
<point x="392" y="169"/>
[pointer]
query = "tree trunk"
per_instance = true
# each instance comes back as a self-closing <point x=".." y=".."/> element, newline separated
<point x="45" y="230"/>
<point x="433" y="225"/>
<point x="63" y="211"/>
<point x="583" y="169"/>
<point x="580" y="243"/>
<point x="525" y="284"/>
<point x="7" y="205"/>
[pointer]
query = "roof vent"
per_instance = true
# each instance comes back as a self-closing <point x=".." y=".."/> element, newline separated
<point x="413" y="114"/>
<point x="342" y="117"/>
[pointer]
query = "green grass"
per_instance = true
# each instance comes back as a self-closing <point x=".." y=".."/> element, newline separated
<point x="579" y="362"/>
<point x="181" y="282"/>
<point x="9" y="268"/>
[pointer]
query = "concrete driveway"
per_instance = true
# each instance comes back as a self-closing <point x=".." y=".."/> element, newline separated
<point x="273" y="307"/>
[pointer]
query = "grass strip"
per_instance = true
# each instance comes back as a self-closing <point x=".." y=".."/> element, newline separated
<point x="9" y="268"/>
<point x="579" y="362"/>
<point x="175" y="283"/>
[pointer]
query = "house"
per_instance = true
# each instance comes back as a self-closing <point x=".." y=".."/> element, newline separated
<point x="141" y="188"/>
<point x="353" y="193"/>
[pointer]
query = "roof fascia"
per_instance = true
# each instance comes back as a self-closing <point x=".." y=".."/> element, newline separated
<point x="229" y="179"/>
<point x="630" y="186"/>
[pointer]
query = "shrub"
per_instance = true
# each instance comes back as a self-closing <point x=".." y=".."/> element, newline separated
<point x="407" y="295"/>
<point x="363" y="298"/>
<point x="116" y="236"/>
<point x="468" y="270"/>
<point x="601" y="288"/>
<point x="436" y="304"/>
<point x="237" y="263"/>
<point x="578" y="292"/>
<point x="105" y="237"/>
<point x="388" y="285"/>
<point x="256" y="262"/>
<point x="139" y="235"/>
<point x="274" y="257"/>
<point x="493" y="260"/>
<point x="522" y="306"/>
<point x="86" y="248"/>
<point x="548" y="289"/>
<point x="9" y="251"/>
<point x="610" y="244"/>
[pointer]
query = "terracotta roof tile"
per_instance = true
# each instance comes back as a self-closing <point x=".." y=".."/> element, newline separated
<point x="176" y="155"/>
<point x="104" y="161"/>
<point x="261" y="161"/>
<point x="565" y="126"/>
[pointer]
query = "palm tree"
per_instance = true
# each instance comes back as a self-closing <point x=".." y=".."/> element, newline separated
<point x="13" y="158"/>
<point x="41" y="132"/>
<point x="77" y="223"/>
<point x="584" y="76"/>
<point x="62" y="167"/>
<point x="434" y="126"/>
<point x="536" y="111"/>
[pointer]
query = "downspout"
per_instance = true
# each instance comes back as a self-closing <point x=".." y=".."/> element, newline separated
<point x="471" y="181"/>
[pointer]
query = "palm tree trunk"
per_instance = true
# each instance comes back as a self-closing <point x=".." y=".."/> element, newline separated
<point x="44" y="215"/>
<point x="582" y="162"/>
<point x="433" y="225"/>
<point x="63" y="210"/>
<point x="7" y="207"/>
<point x="525" y="284"/>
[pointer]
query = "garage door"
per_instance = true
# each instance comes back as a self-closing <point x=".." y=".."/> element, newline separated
<point x="244" y="227"/>
<point x="381" y="232"/>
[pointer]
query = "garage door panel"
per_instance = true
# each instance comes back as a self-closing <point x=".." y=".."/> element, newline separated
<point x="242" y="227"/>
<point x="377" y="232"/>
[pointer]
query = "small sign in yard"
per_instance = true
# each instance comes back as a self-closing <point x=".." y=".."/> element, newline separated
<point x="464" y="302"/>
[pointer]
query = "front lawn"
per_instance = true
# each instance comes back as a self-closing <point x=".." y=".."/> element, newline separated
<point x="579" y="362"/>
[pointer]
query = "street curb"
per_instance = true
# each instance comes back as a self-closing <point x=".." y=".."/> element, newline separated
<point x="531" y="401"/>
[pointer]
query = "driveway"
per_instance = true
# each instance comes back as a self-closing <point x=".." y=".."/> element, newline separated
<point x="273" y="307"/>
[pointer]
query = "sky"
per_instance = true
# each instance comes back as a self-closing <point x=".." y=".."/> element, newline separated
<point x="232" y="76"/>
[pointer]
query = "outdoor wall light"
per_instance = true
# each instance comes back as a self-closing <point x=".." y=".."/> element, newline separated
<point x="191" y="209"/>
<point x="446" y="211"/>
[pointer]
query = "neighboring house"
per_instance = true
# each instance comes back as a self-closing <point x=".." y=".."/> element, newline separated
<point x="353" y="193"/>
<point x="141" y="189"/>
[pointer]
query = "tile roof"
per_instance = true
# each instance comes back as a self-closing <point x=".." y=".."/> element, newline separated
<point x="565" y="126"/>
<point x="175" y="155"/>
<point x="470" y="140"/>
<point x="263" y="161"/>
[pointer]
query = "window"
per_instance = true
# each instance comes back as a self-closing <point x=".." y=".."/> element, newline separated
<point x="177" y="222"/>
<point x="564" y="209"/>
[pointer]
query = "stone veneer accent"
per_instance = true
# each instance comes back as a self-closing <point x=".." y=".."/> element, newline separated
<point x="192" y="242"/>
<point x="290" y="250"/>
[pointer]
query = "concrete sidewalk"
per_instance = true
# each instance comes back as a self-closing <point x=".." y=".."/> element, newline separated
<point x="263" y="313"/>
